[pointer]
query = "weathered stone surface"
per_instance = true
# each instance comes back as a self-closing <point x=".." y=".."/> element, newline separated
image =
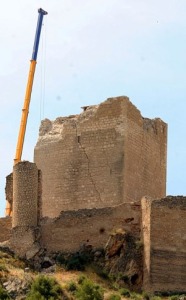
<point x="33" y="250"/>
<point x="25" y="194"/>
<point x="73" y="229"/>
<point x="124" y="259"/>
<point x="24" y="241"/>
<point x="103" y="157"/>
<point x="9" y="189"/>
<point x="164" y="232"/>
<point x="5" y="229"/>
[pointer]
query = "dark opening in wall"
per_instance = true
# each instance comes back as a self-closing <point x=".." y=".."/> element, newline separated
<point x="134" y="279"/>
<point x="78" y="138"/>
<point x="102" y="230"/>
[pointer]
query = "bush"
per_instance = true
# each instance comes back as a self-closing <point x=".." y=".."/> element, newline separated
<point x="114" y="297"/>
<point x="101" y="272"/>
<point x="136" y="296"/>
<point x="81" y="279"/>
<point x="60" y="259"/>
<point x="71" y="287"/>
<point x="3" y="294"/>
<point x="3" y="268"/>
<point x="155" y="298"/>
<point x="77" y="261"/>
<point x="125" y="292"/>
<point x="89" y="291"/>
<point x="174" y="297"/>
<point x="44" y="288"/>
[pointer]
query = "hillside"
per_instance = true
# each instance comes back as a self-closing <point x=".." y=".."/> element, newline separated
<point x="18" y="278"/>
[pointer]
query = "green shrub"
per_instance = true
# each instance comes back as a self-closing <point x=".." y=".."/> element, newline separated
<point x="77" y="261"/>
<point x="114" y="297"/>
<point x="71" y="287"/>
<point x="44" y="288"/>
<point x="136" y="296"/>
<point x="3" y="268"/>
<point x="60" y="259"/>
<point x="101" y="272"/>
<point x="81" y="279"/>
<point x="125" y="292"/>
<point x="174" y="297"/>
<point x="3" y="294"/>
<point x="146" y="296"/>
<point x="155" y="298"/>
<point x="89" y="291"/>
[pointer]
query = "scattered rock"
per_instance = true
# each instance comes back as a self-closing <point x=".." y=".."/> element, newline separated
<point x="16" y="287"/>
<point x="26" y="270"/>
<point x="51" y="269"/>
<point x="33" y="251"/>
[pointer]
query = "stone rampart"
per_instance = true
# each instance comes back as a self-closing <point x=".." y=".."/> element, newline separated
<point x="72" y="229"/>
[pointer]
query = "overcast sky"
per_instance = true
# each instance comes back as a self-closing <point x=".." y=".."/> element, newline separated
<point x="91" y="50"/>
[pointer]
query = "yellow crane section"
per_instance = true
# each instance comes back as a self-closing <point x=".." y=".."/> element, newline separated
<point x="25" y="110"/>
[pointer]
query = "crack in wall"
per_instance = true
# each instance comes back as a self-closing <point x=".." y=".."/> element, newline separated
<point x="88" y="162"/>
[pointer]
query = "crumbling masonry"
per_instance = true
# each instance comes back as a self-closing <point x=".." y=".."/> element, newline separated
<point x="94" y="169"/>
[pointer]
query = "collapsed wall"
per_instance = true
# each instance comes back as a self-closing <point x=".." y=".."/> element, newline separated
<point x="164" y="225"/>
<point x="107" y="155"/>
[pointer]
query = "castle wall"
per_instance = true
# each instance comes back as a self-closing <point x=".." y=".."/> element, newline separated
<point x="165" y="244"/>
<point x="145" y="156"/>
<point x="72" y="229"/>
<point x="9" y="189"/>
<point x="107" y="155"/>
<point x="5" y="229"/>
<point x="25" y="194"/>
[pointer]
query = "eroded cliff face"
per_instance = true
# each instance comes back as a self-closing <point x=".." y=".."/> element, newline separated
<point x="107" y="155"/>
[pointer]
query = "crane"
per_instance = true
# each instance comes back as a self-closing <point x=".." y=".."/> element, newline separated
<point x="25" y="110"/>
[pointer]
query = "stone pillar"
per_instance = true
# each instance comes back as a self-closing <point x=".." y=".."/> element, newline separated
<point x="25" y="194"/>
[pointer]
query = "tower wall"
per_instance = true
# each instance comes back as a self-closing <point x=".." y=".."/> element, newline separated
<point x="25" y="194"/>
<point x="106" y="156"/>
<point x="164" y="224"/>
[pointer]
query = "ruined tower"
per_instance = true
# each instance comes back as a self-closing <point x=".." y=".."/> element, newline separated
<point x="107" y="155"/>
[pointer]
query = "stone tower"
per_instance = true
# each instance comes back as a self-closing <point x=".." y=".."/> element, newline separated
<point x="107" y="155"/>
<point x="25" y="194"/>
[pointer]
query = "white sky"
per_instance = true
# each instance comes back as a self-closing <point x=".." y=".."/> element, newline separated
<point x="91" y="50"/>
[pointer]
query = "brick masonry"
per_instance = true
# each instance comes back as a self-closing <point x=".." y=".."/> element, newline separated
<point x="107" y="155"/>
<point x="164" y="233"/>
